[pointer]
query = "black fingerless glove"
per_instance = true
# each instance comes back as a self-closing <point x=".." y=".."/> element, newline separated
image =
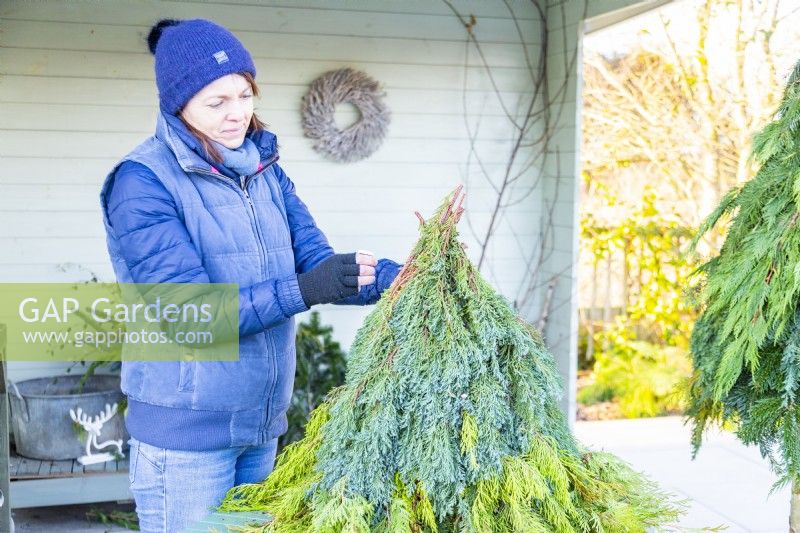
<point x="331" y="280"/>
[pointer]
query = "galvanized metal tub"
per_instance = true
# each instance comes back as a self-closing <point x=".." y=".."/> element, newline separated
<point x="40" y="415"/>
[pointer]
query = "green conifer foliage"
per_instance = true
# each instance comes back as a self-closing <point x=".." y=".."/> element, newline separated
<point x="746" y="344"/>
<point x="448" y="421"/>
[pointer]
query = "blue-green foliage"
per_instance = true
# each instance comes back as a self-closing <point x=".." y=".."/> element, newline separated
<point x="746" y="344"/>
<point x="448" y="421"/>
<point x="447" y="345"/>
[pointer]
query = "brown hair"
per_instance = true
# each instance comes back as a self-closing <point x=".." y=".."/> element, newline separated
<point x="255" y="124"/>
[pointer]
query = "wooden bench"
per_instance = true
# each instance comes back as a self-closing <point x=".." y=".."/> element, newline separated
<point x="28" y="482"/>
<point x="35" y="483"/>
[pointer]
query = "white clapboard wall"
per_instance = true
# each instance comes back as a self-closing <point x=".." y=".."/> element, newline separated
<point x="77" y="92"/>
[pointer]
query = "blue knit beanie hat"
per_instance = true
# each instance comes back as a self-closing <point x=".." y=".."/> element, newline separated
<point x="190" y="54"/>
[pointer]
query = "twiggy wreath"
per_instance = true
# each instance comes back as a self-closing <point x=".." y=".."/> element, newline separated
<point x="362" y="138"/>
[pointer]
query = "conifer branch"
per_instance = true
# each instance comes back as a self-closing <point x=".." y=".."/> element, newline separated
<point x="448" y="421"/>
<point x="746" y="343"/>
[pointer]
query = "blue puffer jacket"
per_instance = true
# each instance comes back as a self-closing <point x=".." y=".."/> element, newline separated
<point x="171" y="217"/>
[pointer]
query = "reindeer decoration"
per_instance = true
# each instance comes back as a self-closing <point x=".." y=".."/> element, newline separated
<point x="93" y="426"/>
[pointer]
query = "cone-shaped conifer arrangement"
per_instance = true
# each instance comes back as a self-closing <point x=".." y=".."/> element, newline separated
<point x="746" y="344"/>
<point x="448" y="422"/>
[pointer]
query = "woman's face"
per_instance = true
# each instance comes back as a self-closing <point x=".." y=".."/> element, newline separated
<point x="222" y="110"/>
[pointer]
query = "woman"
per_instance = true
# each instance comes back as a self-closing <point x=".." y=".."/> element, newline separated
<point x="204" y="200"/>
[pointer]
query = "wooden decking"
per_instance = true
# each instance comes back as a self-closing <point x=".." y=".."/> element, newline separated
<point x="25" y="468"/>
<point x="36" y="483"/>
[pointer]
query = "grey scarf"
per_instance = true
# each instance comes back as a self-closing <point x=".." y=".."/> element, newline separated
<point x="243" y="160"/>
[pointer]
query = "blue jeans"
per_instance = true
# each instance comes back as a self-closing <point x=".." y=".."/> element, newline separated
<point x="175" y="488"/>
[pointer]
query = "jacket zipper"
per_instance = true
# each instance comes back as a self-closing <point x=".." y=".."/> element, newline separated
<point x="243" y="184"/>
<point x="267" y="417"/>
<point x="244" y="181"/>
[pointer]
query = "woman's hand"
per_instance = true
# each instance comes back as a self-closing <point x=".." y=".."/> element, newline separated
<point x="337" y="277"/>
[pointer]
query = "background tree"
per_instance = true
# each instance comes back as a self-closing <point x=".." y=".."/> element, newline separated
<point x="667" y="127"/>
<point x="321" y="365"/>
<point x="746" y="344"/>
<point x="679" y="109"/>
<point x="643" y="352"/>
